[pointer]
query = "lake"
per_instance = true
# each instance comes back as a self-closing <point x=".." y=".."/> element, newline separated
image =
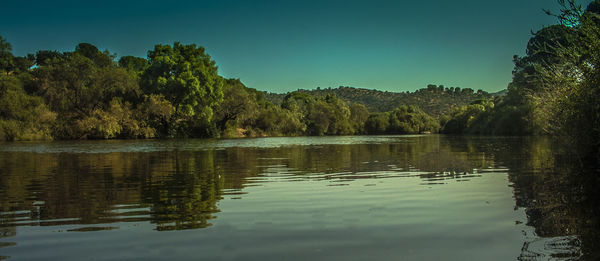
<point x="422" y="197"/>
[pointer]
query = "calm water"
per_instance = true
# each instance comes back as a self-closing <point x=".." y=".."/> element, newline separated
<point x="310" y="198"/>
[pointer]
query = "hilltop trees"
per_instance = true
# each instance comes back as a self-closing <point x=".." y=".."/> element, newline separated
<point x="433" y="100"/>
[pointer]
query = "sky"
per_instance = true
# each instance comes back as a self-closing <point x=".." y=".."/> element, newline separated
<point x="285" y="45"/>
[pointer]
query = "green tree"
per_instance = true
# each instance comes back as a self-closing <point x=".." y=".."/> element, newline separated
<point x="81" y="93"/>
<point x="185" y="75"/>
<point x="23" y="64"/>
<point x="134" y="64"/>
<point x="46" y="57"/>
<point x="411" y="119"/>
<point x="22" y="116"/>
<point x="329" y="116"/>
<point x="6" y="56"/>
<point x="377" y="123"/>
<point x="463" y="118"/>
<point x="154" y="114"/>
<point x="188" y="78"/>
<point x="101" y="59"/>
<point x="276" y="121"/>
<point x="240" y="103"/>
<point x="298" y="101"/>
<point x="358" y="116"/>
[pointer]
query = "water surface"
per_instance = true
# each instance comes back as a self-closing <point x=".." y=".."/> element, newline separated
<point x="320" y="198"/>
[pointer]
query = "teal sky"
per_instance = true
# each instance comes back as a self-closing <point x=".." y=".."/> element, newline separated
<point x="281" y="46"/>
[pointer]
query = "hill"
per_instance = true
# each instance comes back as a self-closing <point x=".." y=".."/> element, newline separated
<point x="434" y="100"/>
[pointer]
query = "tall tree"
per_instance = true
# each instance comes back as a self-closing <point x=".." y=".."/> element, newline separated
<point x="186" y="76"/>
<point x="358" y="116"/>
<point x="6" y="56"/>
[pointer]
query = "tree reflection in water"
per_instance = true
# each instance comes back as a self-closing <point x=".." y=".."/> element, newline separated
<point x="180" y="189"/>
<point x="560" y="196"/>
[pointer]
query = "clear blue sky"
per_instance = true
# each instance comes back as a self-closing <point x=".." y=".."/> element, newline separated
<point x="281" y="46"/>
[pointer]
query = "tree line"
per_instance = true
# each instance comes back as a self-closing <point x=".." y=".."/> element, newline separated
<point x="434" y="100"/>
<point x="176" y="92"/>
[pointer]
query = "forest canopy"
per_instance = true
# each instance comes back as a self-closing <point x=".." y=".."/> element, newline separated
<point x="175" y="92"/>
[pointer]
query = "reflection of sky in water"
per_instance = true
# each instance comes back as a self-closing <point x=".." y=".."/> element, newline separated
<point x="192" y="144"/>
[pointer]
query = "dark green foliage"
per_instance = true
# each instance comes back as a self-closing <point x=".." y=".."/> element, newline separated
<point x="101" y="59"/>
<point x="468" y="119"/>
<point x="239" y="108"/>
<point x="134" y="64"/>
<point x="402" y="120"/>
<point x="555" y="88"/>
<point x="23" y="64"/>
<point x="434" y="100"/>
<point x="411" y="119"/>
<point x="6" y="57"/>
<point x="329" y="116"/>
<point x="358" y="116"/>
<point x="154" y="113"/>
<point x="185" y="75"/>
<point x="76" y="85"/>
<point x="377" y="123"/>
<point x="276" y="121"/>
<point x="178" y="93"/>
<point x="22" y="117"/>
<point x="45" y="57"/>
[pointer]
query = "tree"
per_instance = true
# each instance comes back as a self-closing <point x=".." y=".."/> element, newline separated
<point x="22" y="116"/>
<point x="240" y="103"/>
<point x="411" y="119"/>
<point x="298" y="101"/>
<point x="46" y="57"/>
<point x="23" y="64"/>
<point x="185" y="75"/>
<point x="6" y="57"/>
<point x="377" y="123"/>
<point x="276" y="121"/>
<point x="358" y="116"/>
<point x="80" y="91"/>
<point x="134" y="64"/>
<point x="101" y="59"/>
<point x="188" y="78"/>
<point x="329" y="116"/>
<point x="155" y="112"/>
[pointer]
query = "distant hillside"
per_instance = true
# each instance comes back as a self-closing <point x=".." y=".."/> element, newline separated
<point x="434" y="100"/>
<point x="500" y="93"/>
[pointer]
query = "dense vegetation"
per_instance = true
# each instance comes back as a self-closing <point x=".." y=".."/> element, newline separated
<point x="555" y="87"/>
<point x="433" y="100"/>
<point x="177" y="92"/>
